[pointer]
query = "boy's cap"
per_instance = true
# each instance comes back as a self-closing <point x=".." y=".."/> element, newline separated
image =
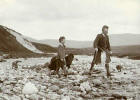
<point x="61" y="38"/>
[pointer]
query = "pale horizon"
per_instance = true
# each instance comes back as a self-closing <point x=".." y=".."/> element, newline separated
<point x="79" y="20"/>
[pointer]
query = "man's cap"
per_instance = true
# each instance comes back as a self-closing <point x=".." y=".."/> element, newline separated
<point x="105" y="26"/>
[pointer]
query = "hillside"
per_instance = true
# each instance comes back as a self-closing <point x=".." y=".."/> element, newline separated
<point x="44" y="48"/>
<point x="69" y="43"/>
<point x="131" y="51"/>
<point x="12" y="42"/>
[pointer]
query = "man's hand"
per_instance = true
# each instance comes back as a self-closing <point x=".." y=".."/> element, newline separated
<point x="110" y="52"/>
<point x="96" y="49"/>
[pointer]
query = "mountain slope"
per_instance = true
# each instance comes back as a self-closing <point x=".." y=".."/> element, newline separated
<point x="124" y="39"/>
<point x="14" y="42"/>
<point x="69" y="43"/>
<point x="44" y="48"/>
<point x="115" y="40"/>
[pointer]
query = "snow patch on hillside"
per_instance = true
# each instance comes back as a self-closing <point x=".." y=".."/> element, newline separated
<point x="26" y="43"/>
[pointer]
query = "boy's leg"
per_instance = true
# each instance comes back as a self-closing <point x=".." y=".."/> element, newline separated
<point x="57" y="72"/>
<point x="64" y="68"/>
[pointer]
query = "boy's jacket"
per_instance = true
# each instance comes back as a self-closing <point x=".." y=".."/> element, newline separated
<point x="61" y="51"/>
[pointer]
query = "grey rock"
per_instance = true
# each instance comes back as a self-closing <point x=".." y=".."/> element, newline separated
<point x="54" y="88"/>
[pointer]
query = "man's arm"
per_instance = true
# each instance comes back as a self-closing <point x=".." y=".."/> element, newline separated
<point x="109" y="48"/>
<point x="95" y="44"/>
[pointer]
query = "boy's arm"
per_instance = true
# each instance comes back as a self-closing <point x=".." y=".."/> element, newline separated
<point x="60" y="52"/>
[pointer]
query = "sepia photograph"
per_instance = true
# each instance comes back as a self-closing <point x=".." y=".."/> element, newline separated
<point x="69" y="49"/>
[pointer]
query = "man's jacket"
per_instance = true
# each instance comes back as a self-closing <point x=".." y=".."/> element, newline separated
<point x="102" y="42"/>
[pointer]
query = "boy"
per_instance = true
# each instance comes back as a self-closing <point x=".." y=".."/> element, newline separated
<point x="61" y="52"/>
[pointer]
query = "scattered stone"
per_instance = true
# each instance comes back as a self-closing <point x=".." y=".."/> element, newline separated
<point x="42" y="94"/>
<point x="85" y="86"/>
<point x="15" y="98"/>
<point x="33" y="97"/>
<point x="0" y="90"/>
<point x="17" y="90"/>
<point x="65" y="98"/>
<point x="60" y="92"/>
<point x="76" y="88"/>
<point x="54" y="88"/>
<point x="53" y="96"/>
<point x="86" y="96"/>
<point x="97" y="82"/>
<point x="118" y="95"/>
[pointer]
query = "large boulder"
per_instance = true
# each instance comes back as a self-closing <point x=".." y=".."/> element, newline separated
<point x="29" y="88"/>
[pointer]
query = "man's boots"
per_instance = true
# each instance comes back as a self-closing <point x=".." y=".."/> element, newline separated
<point x="91" y="68"/>
<point x="107" y="70"/>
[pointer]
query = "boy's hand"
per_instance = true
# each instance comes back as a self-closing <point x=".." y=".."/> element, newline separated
<point x="62" y="59"/>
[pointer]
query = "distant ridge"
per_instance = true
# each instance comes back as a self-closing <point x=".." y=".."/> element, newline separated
<point x="115" y="40"/>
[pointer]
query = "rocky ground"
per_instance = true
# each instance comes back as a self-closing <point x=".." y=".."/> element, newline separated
<point x="29" y="83"/>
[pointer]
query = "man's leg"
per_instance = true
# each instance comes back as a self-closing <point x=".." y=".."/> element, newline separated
<point x="92" y="65"/>
<point x="107" y="70"/>
<point x="107" y="64"/>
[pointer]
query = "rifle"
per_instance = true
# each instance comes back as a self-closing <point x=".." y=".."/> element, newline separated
<point x="106" y="51"/>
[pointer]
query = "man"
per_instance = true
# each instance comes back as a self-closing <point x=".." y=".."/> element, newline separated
<point x="102" y="44"/>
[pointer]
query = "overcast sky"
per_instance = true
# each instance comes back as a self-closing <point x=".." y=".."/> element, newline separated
<point x="75" y="19"/>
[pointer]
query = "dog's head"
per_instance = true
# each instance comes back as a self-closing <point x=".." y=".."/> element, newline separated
<point x="119" y="67"/>
<point x="71" y="56"/>
<point x="69" y="59"/>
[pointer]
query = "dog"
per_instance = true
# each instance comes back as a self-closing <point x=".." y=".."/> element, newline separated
<point x="56" y="63"/>
<point x="69" y="60"/>
<point x="15" y="64"/>
<point x="119" y="68"/>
